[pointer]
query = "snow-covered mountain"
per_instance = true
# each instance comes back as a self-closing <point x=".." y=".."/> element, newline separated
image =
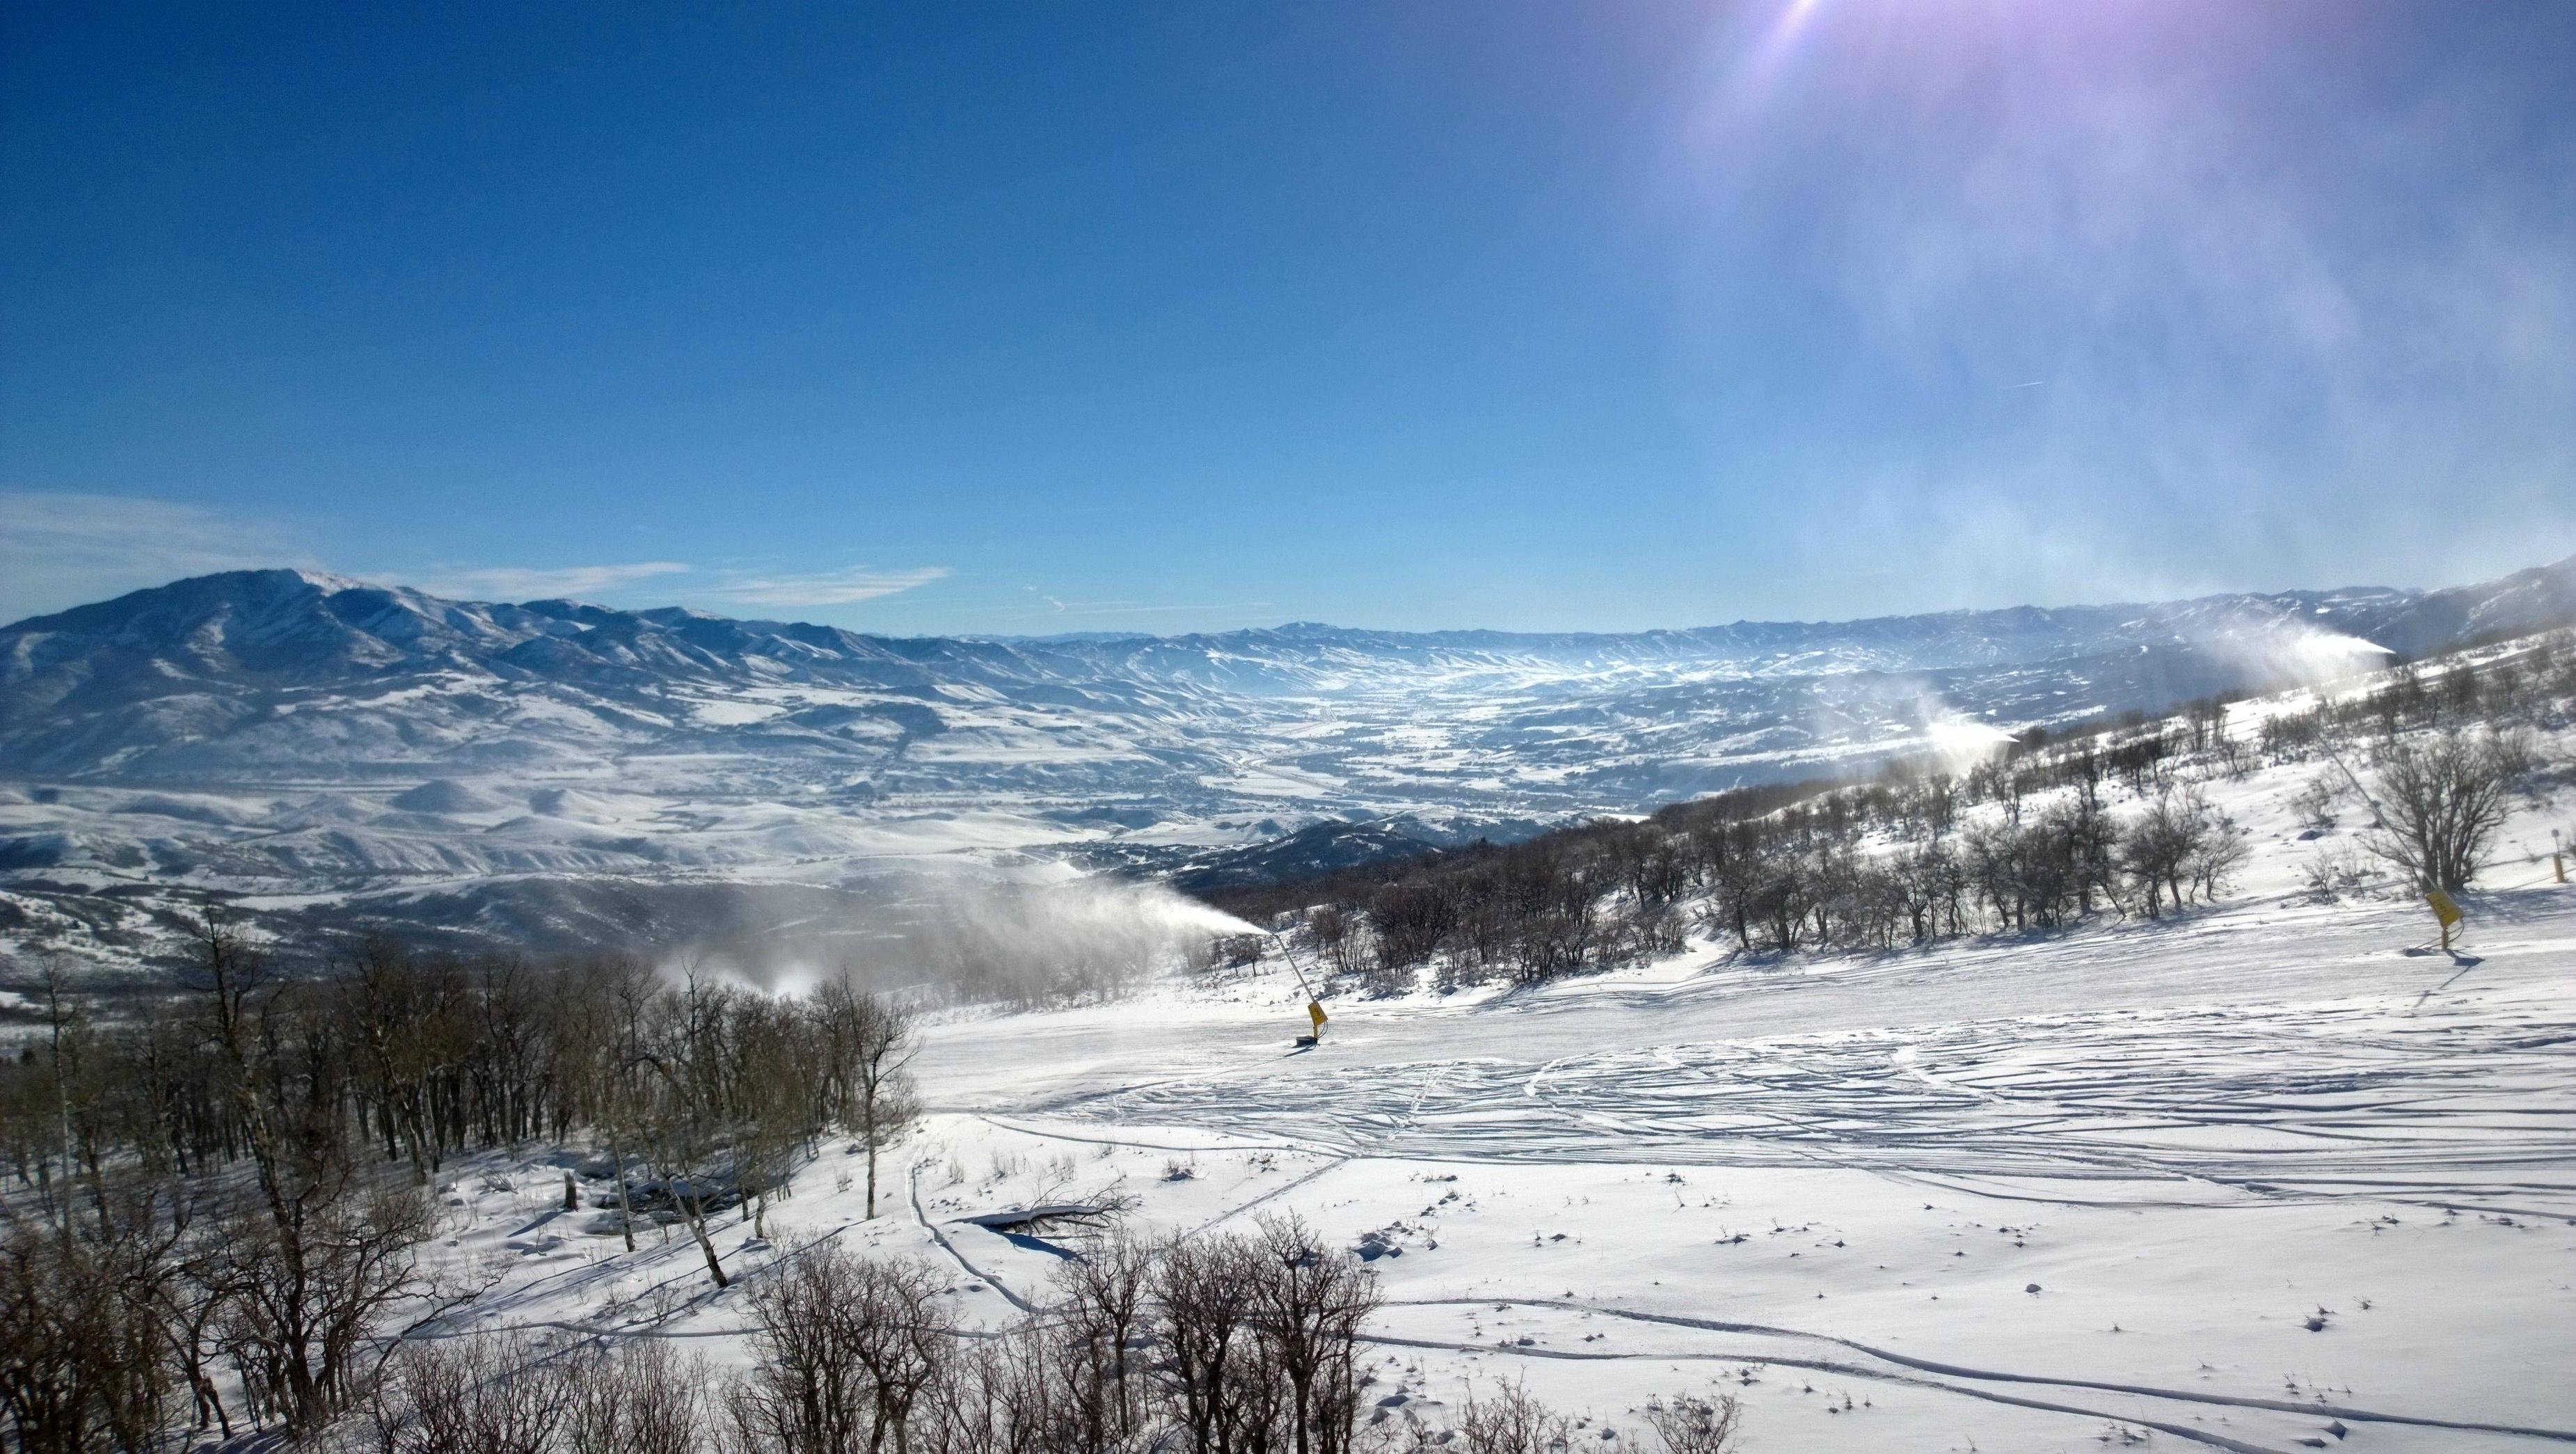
<point x="295" y="732"/>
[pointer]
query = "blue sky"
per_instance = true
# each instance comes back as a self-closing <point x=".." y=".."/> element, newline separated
<point x="1027" y="319"/>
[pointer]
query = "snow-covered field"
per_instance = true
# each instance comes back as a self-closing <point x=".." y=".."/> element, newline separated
<point x="2275" y="1175"/>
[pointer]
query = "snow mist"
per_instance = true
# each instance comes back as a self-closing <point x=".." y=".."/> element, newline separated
<point x="958" y="936"/>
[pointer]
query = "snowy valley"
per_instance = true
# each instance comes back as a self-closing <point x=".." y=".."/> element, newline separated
<point x="2273" y="1174"/>
<point x="554" y="776"/>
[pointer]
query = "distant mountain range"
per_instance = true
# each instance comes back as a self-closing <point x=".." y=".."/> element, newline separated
<point x="287" y="731"/>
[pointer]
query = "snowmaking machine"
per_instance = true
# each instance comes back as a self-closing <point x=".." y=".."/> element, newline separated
<point x="1314" y="1001"/>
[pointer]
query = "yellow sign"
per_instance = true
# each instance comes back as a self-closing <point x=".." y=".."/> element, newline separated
<point x="1315" y="1011"/>
<point x="2443" y="907"/>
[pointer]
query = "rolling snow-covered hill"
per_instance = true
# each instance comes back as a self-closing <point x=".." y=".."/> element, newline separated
<point x="291" y="733"/>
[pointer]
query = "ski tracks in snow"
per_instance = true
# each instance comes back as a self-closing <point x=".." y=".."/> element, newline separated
<point x="2471" y="1107"/>
<point x="1900" y="1368"/>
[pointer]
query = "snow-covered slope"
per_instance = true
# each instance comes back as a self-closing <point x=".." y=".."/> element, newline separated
<point x="2269" y="1176"/>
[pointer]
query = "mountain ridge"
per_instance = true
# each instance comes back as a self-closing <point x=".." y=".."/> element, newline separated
<point x="286" y="731"/>
<point x="391" y="620"/>
<point x="199" y="674"/>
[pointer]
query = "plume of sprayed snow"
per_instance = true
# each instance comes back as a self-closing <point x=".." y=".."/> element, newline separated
<point x="2258" y="655"/>
<point x="2277" y="655"/>
<point x="1958" y="741"/>
<point x="1073" y="940"/>
<point x="954" y="935"/>
<point x="1896" y="718"/>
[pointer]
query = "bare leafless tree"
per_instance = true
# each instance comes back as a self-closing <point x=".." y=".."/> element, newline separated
<point x="869" y="1041"/>
<point x="642" y="1398"/>
<point x="1210" y="1360"/>
<point x="483" y="1394"/>
<point x="83" y="1362"/>
<point x="687" y="1132"/>
<point x="1309" y="1301"/>
<point x="2444" y="798"/>
<point x="1692" y="1425"/>
<point x="309" y="1263"/>
<point x="1100" y="1316"/>
<point x="846" y="1349"/>
<point x="1512" y="1422"/>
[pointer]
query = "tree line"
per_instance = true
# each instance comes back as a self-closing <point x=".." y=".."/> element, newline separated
<point x="226" y="1190"/>
<point x="2109" y="816"/>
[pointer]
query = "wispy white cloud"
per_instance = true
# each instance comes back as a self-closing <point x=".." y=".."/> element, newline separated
<point x="1136" y="608"/>
<point x="60" y="549"/>
<point x="677" y="580"/>
<point x="2193" y="288"/>
<point x="1056" y="606"/>
<point x="531" y="583"/>
<point x="842" y="587"/>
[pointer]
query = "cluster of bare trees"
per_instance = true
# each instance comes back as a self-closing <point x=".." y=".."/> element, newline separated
<point x="1223" y="1344"/>
<point x="2104" y="816"/>
<point x="1509" y="1421"/>
<point x="188" y="1203"/>
<point x="1218" y="1345"/>
<point x="2531" y="683"/>
<point x="1804" y="876"/>
<point x="1803" y="880"/>
<point x="225" y="1190"/>
<point x="503" y="1393"/>
<point x="2435" y="750"/>
<point x="1558" y="904"/>
<point x="2444" y="747"/>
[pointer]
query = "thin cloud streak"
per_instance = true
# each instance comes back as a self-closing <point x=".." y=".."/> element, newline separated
<point x="1056" y="607"/>
<point x="825" y="588"/>
<point x="60" y="549"/>
<point x="679" y="580"/>
<point x="537" y="583"/>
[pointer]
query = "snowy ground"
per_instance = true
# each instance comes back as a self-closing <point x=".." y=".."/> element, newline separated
<point x="2238" y="1182"/>
<point x="2276" y="1175"/>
